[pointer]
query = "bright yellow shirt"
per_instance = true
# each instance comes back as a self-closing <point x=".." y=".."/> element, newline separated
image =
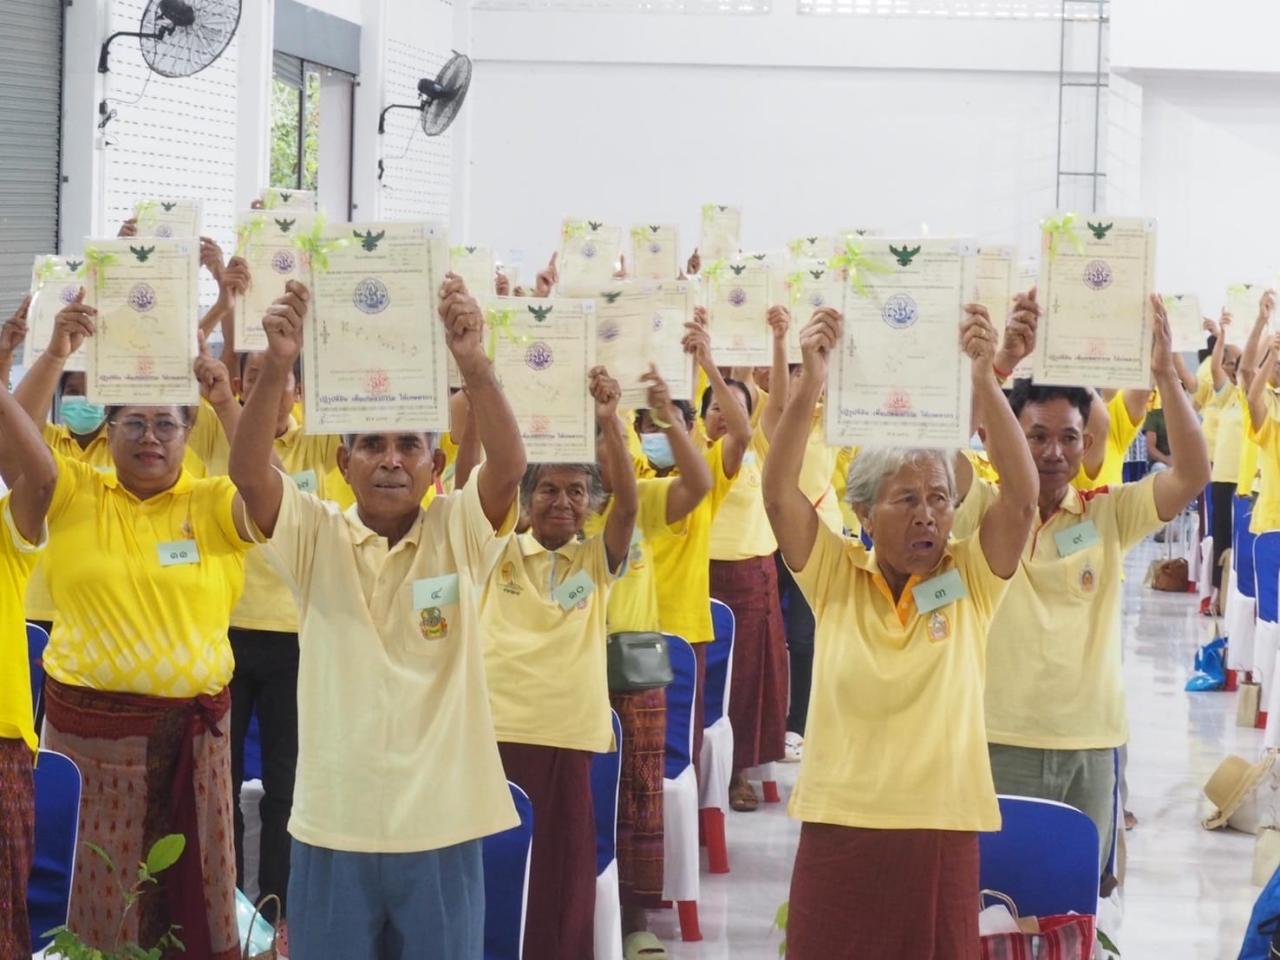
<point x="818" y="476"/>
<point x="1119" y="439"/>
<point x="17" y="559"/>
<point x="681" y="559"/>
<point x="633" y="601"/>
<point x="1226" y="449"/>
<point x="840" y="481"/>
<point x="1053" y="678"/>
<point x="396" y="751"/>
<point x="548" y="679"/>
<point x="740" y="530"/>
<point x="1247" y="476"/>
<point x="1266" y="512"/>
<point x="130" y="619"/>
<point x="895" y="736"/>
<point x="1203" y="399"/>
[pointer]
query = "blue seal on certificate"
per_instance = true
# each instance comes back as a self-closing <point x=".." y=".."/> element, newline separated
<point x="737" y="296"/>
<point x="1097" y="275"/>
<point x="900" y="311"/>
<point x="538" y="356"/>
<point x="609" y="331"/>
<point x="284" y="262"/>
<point x="588" y="251"/>
<point x="141" y="297"/>
<point x="371" y="296"/>
<point x="164" y="230"/>
<point x="69" y="293"/>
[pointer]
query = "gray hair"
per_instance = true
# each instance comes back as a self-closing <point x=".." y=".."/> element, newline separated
<point x="349" y="439"/>
<point x="873" y="465"/>
<point x="595" y="484"/>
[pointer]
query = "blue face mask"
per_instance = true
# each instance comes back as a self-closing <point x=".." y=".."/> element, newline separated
<point x="657" y="448"/>
<point x="80" y="416"/>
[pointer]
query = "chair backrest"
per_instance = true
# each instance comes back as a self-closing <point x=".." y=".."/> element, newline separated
<point x="37" y="640"/>
<point x="57" y="789"/>
<point x="1242" y="555"/>
<point x="1045" y="857"/>
<point x="680" y="692"/>
<point x="719" y="663"/>
<point x="1266" y="573"/>
<point x="253" y="749"/>
<point x="606" y="769"/>
<point x="506" y="883"/>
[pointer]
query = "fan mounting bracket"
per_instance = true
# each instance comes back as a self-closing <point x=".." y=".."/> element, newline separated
<point x="382" y="117"/>
<point x="160" y="34"/>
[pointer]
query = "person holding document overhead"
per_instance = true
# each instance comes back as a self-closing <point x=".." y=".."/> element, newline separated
<point x="895" y="782"/>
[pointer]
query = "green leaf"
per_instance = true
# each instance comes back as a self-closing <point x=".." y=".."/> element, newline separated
<point x="165" y="852"/>
<point x="780" y="918"/>
<point x="1107" y="943"/>
<point x="101" y="855"/>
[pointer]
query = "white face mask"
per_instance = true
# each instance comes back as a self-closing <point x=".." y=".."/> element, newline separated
<point x="975" y="443"/>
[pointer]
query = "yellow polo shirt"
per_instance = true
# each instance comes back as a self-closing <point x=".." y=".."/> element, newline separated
<point x="17" y="559"/>
<point x="396" y="751"/>
<point x="1230" y="437"/>
<point x="1119" y="439"/>
<point x="548" y="679"/>
<point x="681" y="560"/>
<point x="1266" y="512"/>
<point x="1054" y="680"/>
<point x="818" y="476"/>
<point x="840" y="481"/>
<point x="1247" y="479"/>
<point x="895" y="735"/>
<point x="1203" y="399"/>
<point x="129" y="618"/>
<point x="740" y="530"/>
<point x="633" y="600"/>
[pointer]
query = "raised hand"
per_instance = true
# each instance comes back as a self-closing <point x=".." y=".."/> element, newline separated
<point x="211" y="258"/>
<point x="697" y="343"/>
<point x="621" y="272"/>
<point x="463" y="323"/>
<point x="779" y="322"/>
<point x="234" y="279"/>
<point x="73" y="323"/>
<point x="694" y="264"/>
<point x="659" y="399"/>
<point x="1267" y="305"/>
<point x="605" y="391"/>
<point x="1161" y="339"/>
<point x="129" y="228"/>
<point x="14" y="331"/>
<point x="819" y="339"/>
<point x="547" y="278"/>
<point x="1019" y="340"/>
<point x="978" y="337"/>
<point x="283" y="323"/>
<point x="501" y="284"/>
<point x="215" y="382"/>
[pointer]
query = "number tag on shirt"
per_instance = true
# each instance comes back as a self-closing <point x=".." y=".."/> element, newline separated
<point x="1077" y="538"/>
<point x="574" y="590"/>
<point x="305" y="480"/>
<point x="938" y="592"/>
<point x="175" y="553"/>
<point x="435" y="592"/>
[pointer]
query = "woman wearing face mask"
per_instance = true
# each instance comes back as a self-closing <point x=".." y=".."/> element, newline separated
<point x="543" y="613"/>
<point x="144" y="566"/>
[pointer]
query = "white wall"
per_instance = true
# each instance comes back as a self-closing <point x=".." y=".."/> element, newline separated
<point x="1233" y="36"/>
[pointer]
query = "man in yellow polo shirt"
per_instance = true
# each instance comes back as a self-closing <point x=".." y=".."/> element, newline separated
<point x="1055" y="694"/>
<point x="398" y="769"/>
<point x="27" y="468"/>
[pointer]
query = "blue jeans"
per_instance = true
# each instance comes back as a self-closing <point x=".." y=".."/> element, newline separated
<point x="386" y="906"/>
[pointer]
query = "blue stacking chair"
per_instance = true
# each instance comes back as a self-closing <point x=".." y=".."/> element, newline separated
<point x="1243" y="548"/>
<point x="1045" y="858"/>
<point x="719" y="663"/>
<point x="1266" y="577"/>
<point x="506" y="883"/>
<point x="680" y="694"/>
<point x="57" y="789"/>
<point x="37" y="640"/>
<point x="253" y="750"/>
<point x="681" y="882"/>
<point x="606" y="769"/>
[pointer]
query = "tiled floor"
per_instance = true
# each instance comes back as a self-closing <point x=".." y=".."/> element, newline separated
<point x="1188" y="892"/>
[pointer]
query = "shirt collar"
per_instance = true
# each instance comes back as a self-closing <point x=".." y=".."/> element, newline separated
<point x="906" y="604"/>
<point x="530" y="547"/>
<point x="361" y="534"/>
<point x="1072" y="503"/>
<point x="182" y="485"/>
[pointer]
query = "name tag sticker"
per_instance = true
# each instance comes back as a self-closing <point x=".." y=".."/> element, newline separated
<point x="938" y="592"/>
<point x="305" y="481"/>
<point x="177" y="552"/>
<point x="435" y="592"/>
<point x="1077" y="538"/>
<point x="574" y="590"/>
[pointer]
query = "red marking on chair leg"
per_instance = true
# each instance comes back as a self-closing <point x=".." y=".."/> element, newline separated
<point x="712" y="822"/>
<point x="1233" y="681"/>
<point x="1261" y="722"/>
<point x="689" y="929"/>
<point x="771" y="794"/>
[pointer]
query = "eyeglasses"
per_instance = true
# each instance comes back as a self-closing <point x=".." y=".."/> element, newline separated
<point x="135" y="428"/>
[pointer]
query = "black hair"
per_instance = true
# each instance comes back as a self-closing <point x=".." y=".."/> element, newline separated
<point x="242" y="356"/>
<point x="1203" y="355"/>
<point x="1025" y="392"/>
<point x="686" y="408"/>
<point x="708" y="393"/>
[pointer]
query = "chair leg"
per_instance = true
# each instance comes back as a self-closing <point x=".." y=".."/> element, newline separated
<point x="689" y="929"/>
<point x="712" y="820"/>
<point x="1260" y="722"/>
<point x="1233" y="681"/>
<point x="771" y="794"/>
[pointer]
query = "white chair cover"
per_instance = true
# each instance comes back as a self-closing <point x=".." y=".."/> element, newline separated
<point x="762" y="773"/>
<point x="680" y="841"/>
<point x="1204" y="576"/>
<point x="1265" y="639"/>
<point x="716" y="766"/>
<point x="608" y="928"/>
<point x="250" y="796"/>
<point x="1240" y="616"/>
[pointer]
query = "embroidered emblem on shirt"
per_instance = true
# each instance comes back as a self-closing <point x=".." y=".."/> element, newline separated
<point x="1087" y="579"/>
<point x="432" y="624"/>
<point x="939" y="626"/>
<point x="507" y="578"/>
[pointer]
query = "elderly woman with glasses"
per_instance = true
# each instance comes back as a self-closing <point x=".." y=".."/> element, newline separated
<point x="144" y="565"/>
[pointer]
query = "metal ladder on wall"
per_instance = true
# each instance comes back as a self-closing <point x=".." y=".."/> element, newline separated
<point x="1072" y="13"/>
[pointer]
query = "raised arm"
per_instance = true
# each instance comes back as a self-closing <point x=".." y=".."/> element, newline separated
<point x="253" y="443"/>
<point x="1251" y="358"/>
<point x="626" y="500"/>
<point x="233" y="280"/>
<point x="1260" y="382"/>
<point x="499" y="433"/>
<point x="1098" y="427"/>
<point x="28" y="468"/>
<point x="462" y="421"/>
<point x="779" y="374"/>
<point x="693" y="481"/>
<point x="792" y="516"/>
<point x="1005" y="526"/>
<point x="1136" y="401"/>
<point x="74" y="322"/>
<point x="12" y="334"/>
<point x="1219" y="332"/>
<point x="697" y="341"/>
<point x="1189" y="473"/>
<point x="215" y="388"/>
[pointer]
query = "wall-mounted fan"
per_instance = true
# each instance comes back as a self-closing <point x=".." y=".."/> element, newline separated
<point x="179" y="38"/>
<point x="439" y="99"/>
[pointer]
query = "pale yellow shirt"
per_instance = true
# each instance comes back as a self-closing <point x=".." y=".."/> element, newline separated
<point x="1053" y="679"/>
<point x="548" y="679"/>
<point x="1247" y="478"/>
<point x="741" y="529"/>
<point x="895" y="735"/>
<point x="17" y="558"/>
<point x="396" y="749"/>
<point x="1230" y="437"/>
<point x="1119" y="438"/>
<point x="633" y="601"/>
<point x="1266" y="512"/>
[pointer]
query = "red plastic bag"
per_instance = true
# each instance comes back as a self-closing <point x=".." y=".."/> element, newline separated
<point x="1067" y="937"/>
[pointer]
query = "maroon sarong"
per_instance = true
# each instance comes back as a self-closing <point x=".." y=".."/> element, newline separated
<point x="17" y="846"/>
<point x="643" y="715"/>
<point x="883" y="894"/>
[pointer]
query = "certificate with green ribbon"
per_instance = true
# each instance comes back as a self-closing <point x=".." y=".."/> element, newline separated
<point x="655" y="252"/>
<point x="542" y="350"/>
<point x="676" y="302"/>
<point x="146" y="294"/>
<point x="168" y="218"/>
<point x="55" y="282"/>
<point x="995" y="282"/>
<point x="286" y="198"/>
<point x="1185" y="321"/>
<point x="588" y="256"/>
<point x="738" y="296"/>
<point x="721" y="236"/>
<point x="1096" y="275"/>
<point x="374" y="346"/>
<point x="267" y="240"/>
<point x="1242" y="302"/>
<point x="899" y="377"/>
<point x="627" y="313"/>
<point x="810" y="287"/>
<point x="475" y="265"/>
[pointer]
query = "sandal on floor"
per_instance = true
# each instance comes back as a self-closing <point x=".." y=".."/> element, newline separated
<point x="742" y="798"/>
<point x="643" y="945"/>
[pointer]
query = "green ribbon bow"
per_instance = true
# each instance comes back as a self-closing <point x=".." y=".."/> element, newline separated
<point x="573" y="228"/>
<point x="247" y="232"/>
<point x="794" y="282"/>
<point x="713" y="271"/>
<point x="270" y="198"/>
<point x="855" y="263"/>
<point x="97" y="261"/>
<point x="46" y="270"/>
<point x="313" y="245"/>
<point x="1237" y="289"/>
<point x="638" y="236"/>
<point x="1061" y="229"/>
<point x="708" y="211"/>
<point x="500" y="321"/>
<point x="144" y="211"/>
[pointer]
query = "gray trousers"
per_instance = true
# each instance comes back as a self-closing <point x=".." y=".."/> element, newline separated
<point x="1084" y="779"/>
